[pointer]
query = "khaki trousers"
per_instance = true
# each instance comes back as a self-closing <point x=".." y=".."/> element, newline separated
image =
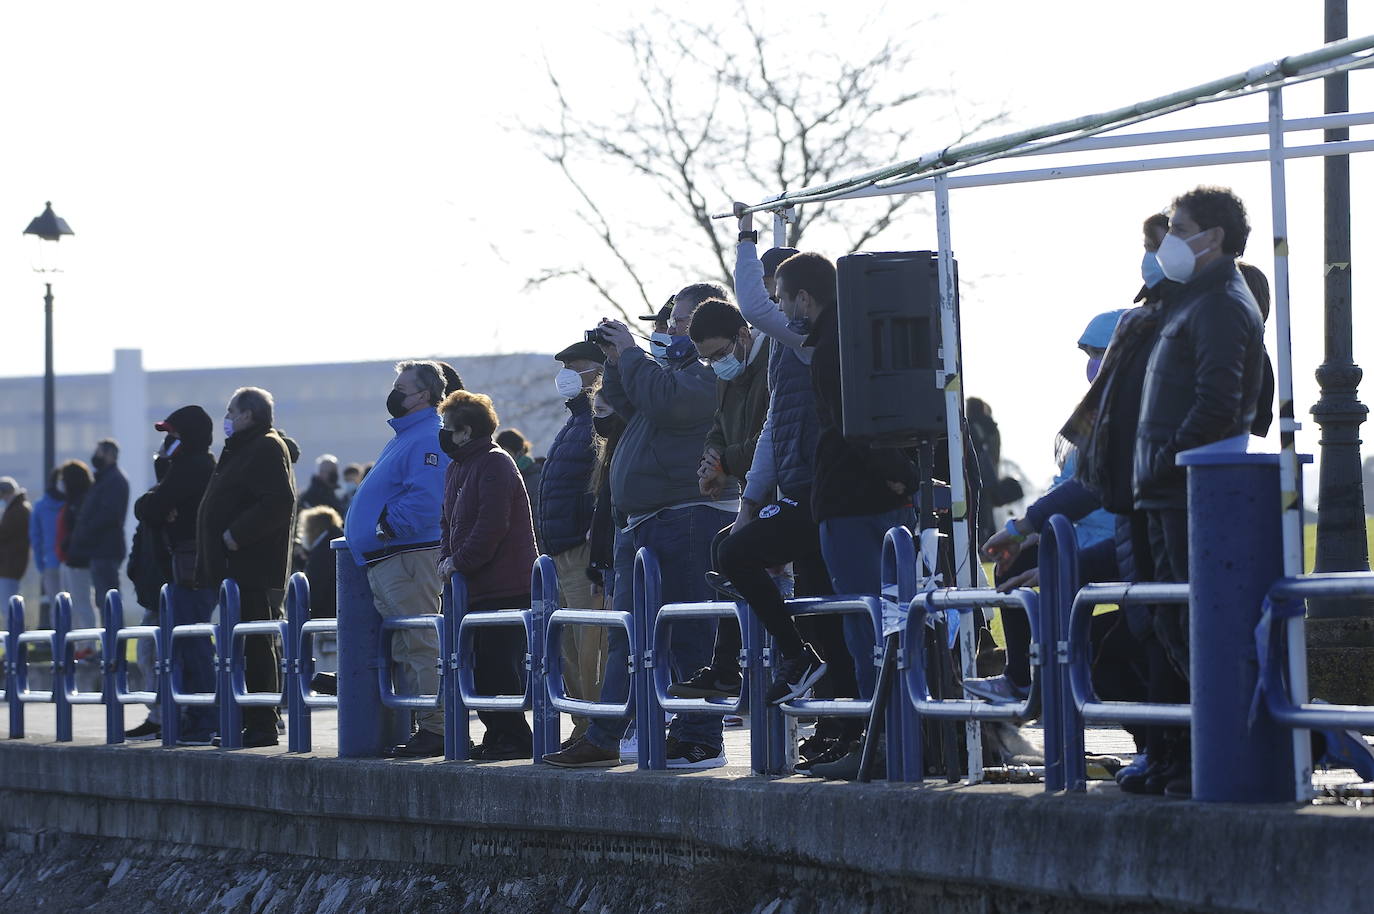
<point x="584" y="646"/>
<point x="408" y="585"/>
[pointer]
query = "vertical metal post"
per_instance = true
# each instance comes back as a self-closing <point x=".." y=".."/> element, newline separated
<point x="15" y="674"/>
<point x="779" y="230"/>
<point x="1341" y="542"/>
<point x="457" y="723"/>
<point x="756" y="685"/>
<point x="653" y="749"/>
<point x="230" y="714"/>
<point x="165" y="667"/>
<point x="543" y="603"/>
<point x="366" y="726"/>
<point x="1290" y="496"/>
<point x="293" y="683"/>
<point x="62" y="623"/>
<point x="49" y="393"/>
<point x="109" y="664"/>
<point x="965" y="559"/>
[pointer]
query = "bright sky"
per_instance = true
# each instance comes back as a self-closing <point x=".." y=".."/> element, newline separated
<point x="279" y="183"/>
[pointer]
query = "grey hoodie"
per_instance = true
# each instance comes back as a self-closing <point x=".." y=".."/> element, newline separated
<point x="668" y="411"/>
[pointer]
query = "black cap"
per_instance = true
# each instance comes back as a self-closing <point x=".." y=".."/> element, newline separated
<point x="773" y="257"/>
<point x="583" y="350"/>
<point x="664" y="314"/>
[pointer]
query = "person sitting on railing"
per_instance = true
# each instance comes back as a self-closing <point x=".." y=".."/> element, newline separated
<point x="487" y="535"/>
<point x="393" y="529"/>
<point x="243" y="532"/>
<point x="166" y="554"/>
<point x="669" y="409"/>
<point x="1202" y="385"/>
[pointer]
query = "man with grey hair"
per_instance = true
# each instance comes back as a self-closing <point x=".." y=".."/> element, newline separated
<point x="323" y="488"/>
<point x="244" y="529"/>
<point x="14" y="538"/>
<point x="393" y="530"/>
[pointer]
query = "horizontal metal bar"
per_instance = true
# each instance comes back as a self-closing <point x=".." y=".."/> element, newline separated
<point x="196" y="630"/>
<point x="698" y="611"/>
<point x="1135" y="166"/>
<point x="258" y="699"/>
<point x="496" y="618"/>
<point x="198" y="699"/>
<point x="316" y="700"/>
<point x="136" y="632"/>
<point x="136" y="698"/>
<point x="85" y="634"/>
<point x="86" y="698"/>
<point x="591" y="708"/>
<point x="970" y="709"/>
<point x="260" y="628"/>
<point x="37" y="637"/>
<point x="407" y="623"/>
<point x="1329" y="584"/>
<point x="605" y="617"/>
<point x="1197" y="134"/>
<point x="1136" y="712"/>
<point x="29" y="696"/>
<point x="722" y="706"/>
<point x="496" y="702"/>
<point x="826" y="707"/>
<point x="1148" y="592"/>
<point x="1336" y="717"/>
<point x="415" y="703"/>
<point x="320" y="626"/>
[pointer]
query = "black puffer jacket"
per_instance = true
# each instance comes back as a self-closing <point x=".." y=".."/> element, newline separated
<point x="1202" y="382"/>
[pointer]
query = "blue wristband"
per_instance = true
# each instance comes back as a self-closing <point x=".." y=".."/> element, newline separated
<point x="1012" y="532"/>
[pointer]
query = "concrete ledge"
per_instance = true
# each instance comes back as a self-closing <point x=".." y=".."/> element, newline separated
<point x="1102" y="845"/>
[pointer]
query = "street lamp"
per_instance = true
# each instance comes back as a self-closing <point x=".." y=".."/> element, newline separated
<point x="48" y="227"/>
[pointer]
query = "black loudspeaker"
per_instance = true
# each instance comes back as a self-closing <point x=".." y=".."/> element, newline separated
<point x="890" y="365"/>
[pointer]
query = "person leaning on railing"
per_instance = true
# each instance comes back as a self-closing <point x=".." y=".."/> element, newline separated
<point x="487" y="535"/>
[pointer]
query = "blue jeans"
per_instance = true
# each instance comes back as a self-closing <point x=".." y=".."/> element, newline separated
<point x="853" y="551"/>
<point x="195" y="657"/>
<point x="681" y="540"/>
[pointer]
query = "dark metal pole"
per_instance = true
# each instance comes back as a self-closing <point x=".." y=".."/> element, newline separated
<point x="49" y="395"/>
<point x="1341" y="544"/>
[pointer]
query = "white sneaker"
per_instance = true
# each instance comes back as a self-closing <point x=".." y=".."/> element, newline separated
<point x="629" y="749"/>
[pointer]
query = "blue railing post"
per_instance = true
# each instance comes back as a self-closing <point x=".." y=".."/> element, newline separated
<point x="1065" y="765"/>
<point x="898" y="580"/>
<point x="165" y="666"/>
<point x="648" y="594"/>
<point x="109" y="666"/>
<point x="230" y="714"/>
<point x="14" y="664"/>
<point x="294" y="683"/>
<point x="1235" y="554"/>
<point x="366" y="726"/>
<point x="754" y="636"/>
<point x="543" y="603"/>
<point x="62" y="623"/>
<point x="457" y="722"/>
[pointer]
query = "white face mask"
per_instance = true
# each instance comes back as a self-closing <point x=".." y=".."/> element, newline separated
<point x="568" y="383"/>
<point x="1177" y="259"/>
<point x="658" y="344"/>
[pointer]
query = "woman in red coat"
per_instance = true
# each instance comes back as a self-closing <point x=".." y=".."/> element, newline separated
<point x="487" y="536"/>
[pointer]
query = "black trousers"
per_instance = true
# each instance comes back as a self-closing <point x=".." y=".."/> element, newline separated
<point x="261" y="655"/>
<point x="499" y="656"/>
<point x="1168" y="649"/>
<point x="784" y="532"/>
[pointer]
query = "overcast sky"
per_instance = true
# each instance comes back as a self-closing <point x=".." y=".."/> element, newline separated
<point x="294" y="182"/>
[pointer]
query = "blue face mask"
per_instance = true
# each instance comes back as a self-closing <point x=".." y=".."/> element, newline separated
<point x="727" y="368"/>
<point x="679" y="348"/>
<point x="800" y="324"/>
<point x="1150" y="270"/>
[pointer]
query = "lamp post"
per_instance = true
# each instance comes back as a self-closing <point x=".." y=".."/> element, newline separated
<point x="48" y="227"/>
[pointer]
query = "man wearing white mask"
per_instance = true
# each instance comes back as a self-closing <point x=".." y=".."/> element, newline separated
<point x="1202" y="385"/>
<point x="566" y="505"/>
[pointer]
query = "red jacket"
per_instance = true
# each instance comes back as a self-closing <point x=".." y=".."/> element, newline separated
<point x="486" y="527"/>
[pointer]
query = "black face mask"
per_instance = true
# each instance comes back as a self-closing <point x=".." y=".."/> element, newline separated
<point x="395" y="403"/>
<point x="604" y="425"/>
<point x="332" y="480"/>
<point x="448" y="445"/>
<point x="98" y="462"/>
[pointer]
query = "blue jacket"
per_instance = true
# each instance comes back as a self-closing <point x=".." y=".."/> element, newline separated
<point x="43" y="531"/>
<point x="397" y="507"/>
<point x="565" y="497"/>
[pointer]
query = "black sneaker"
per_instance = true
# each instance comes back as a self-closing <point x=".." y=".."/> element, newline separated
<point x="717" y="582"/>
<point x="708" y="683"/>
<point x="197" y="738"/>
<point x="502" y="749"/>
<point x="794" y="676"/>
<point x="257" y="739"/>
<point x="847" y="768"/>
<point x="144" y="731"/>
<point x="695" y="756"/>
<point x="833" y="752"/>
<point x="325" y="683"/>
<point x="422" y="744"/>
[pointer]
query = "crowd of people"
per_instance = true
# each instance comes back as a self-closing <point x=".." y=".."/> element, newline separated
<point x="715" y="439"/>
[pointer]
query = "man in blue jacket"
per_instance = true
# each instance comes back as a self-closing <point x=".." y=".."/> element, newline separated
<point x="393" y="529"/>
<point x="566" y="505"/>
<point x="43" y="541"/>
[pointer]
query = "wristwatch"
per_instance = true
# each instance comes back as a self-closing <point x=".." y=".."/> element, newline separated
<point x="749" y="236"/>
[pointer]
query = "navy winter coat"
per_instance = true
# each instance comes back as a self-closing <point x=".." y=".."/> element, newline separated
<point x="566" y="502"/>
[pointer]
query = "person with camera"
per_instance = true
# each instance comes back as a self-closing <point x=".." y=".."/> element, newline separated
<point x="658" y="504"/>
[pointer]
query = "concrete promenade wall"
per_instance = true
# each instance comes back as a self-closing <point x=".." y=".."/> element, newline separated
<point x="968" y="846"/>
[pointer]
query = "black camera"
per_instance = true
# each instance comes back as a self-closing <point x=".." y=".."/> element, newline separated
<point x="594" y="336"/>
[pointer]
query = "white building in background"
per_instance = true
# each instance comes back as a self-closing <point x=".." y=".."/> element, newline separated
<point x="337" y="408"/>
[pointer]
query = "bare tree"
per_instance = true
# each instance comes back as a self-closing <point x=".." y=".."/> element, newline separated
<point x="714" y="107"/>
